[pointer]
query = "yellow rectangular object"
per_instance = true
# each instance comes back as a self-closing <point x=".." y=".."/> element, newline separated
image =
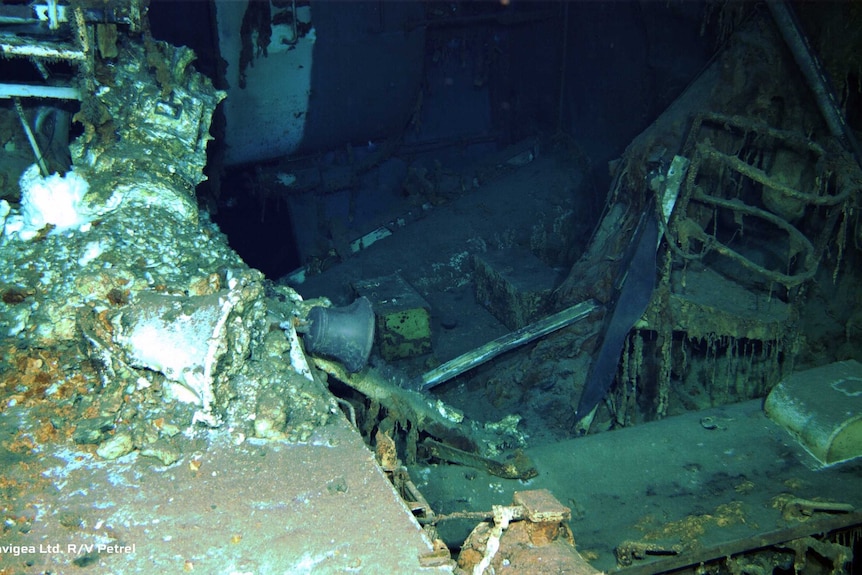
<point x="403" y="318"/>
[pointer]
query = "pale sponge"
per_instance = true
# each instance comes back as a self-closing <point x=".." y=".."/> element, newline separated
<point x="55" y="200"/>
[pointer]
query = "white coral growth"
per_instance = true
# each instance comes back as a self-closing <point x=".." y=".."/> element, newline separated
<point x="55" y="200"/>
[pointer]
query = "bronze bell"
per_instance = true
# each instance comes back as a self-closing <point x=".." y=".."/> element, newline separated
<point x="343" y="333"/>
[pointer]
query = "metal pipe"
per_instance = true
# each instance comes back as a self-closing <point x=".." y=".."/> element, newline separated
<point x="39" y="159"/>
<point x="814" y="75"/>
<point x="504" y="343"/>
<point x="34" y="91"/>
<point x="40" y="51"/>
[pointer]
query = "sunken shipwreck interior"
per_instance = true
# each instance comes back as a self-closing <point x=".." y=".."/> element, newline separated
<point x="470" y="287"/>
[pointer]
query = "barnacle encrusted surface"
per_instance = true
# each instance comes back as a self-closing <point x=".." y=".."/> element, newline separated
<point x="73" y="299"/>
<point x="143" y="322"/>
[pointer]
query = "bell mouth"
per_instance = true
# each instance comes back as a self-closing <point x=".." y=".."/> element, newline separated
<point x="342" y="333"/>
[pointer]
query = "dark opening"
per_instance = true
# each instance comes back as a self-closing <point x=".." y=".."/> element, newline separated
<point x="258" y="227"/>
